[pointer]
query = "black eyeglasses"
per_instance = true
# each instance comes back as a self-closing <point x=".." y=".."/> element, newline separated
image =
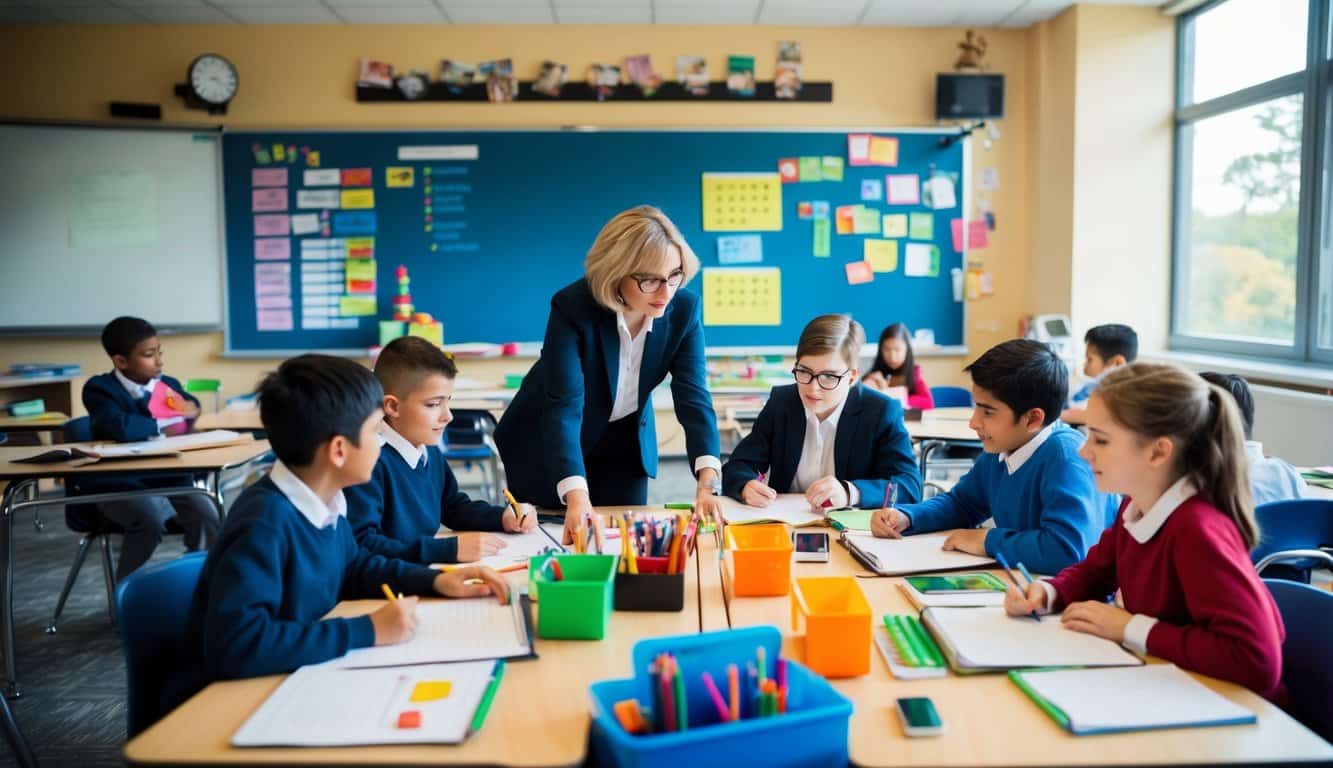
<point x="653" y="283"/>
<point x="827" y="380"/>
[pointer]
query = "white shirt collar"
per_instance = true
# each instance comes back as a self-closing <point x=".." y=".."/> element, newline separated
<point x="812" y="420"/>
<point x="319" y="514"/>
<point x="136" y="390"/>
<point x="1254" y="451"/>
<point x="1015" y="460"/>
<point x="1144" y="525"/>
<point x="411" y="454"/>
<point x="623" y="326"/>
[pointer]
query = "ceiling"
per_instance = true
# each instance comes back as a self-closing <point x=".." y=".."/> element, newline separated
<point x="868" y="13"/>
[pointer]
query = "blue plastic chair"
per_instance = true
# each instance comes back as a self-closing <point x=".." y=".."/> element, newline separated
<point x="1307" y="613"/>
<point x="468" y="439"/>
<point x="951" y="397"/>
<point x="1293" y="524"/>
<point x="153" y="604"/>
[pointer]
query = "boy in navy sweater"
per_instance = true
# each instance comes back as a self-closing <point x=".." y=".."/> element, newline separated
<point x="117" y="404"/>
<point x="1046" y="506"/>
<point x="285" y="557"/>
<point x="413" y="490"/>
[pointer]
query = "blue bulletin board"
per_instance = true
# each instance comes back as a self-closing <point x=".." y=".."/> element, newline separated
<point x="491" y="223"/>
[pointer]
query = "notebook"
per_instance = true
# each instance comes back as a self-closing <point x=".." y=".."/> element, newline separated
<point x="519" y="547"/>
<point x="1177" y="700"/>
<point x="165" y="446"/>
<point x="327" y="706"/>
<point x="851" y="519"/>
<point x="987" y="640"/>
<point x="958" y="589"/>
<point x="456" y="630"/>
<point x="910" y="554"/>
<point x="789" y="508"/>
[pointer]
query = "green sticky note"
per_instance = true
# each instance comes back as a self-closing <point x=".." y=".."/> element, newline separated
<point x="823" y="237"/>
<point x="360" y="269"/>
<point x="810" y="170"/>
<point x="895" y="225"/>
<point x="356" y="306"/>
<point x="921" y="226"/>
<point x="865" y="221"/>
<point x="832" y="168"/>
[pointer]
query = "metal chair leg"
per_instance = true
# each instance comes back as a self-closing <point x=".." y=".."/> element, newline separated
<point x="36" y="511"/>
<point x="70" y="579"/>
<point x="17" y="743"/>
<point x="109" y="578"/>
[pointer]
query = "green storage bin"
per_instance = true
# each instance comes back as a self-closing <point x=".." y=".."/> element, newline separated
<point x="578" y="607"/>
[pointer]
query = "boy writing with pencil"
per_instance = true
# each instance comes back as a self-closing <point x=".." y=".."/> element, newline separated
<point x="412" y="489"/>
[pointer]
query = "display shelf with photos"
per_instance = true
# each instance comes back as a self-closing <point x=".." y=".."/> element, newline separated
<point x="578" y="91"/>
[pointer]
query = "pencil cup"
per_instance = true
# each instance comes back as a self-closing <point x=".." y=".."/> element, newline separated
<point x="578" y="606"/>
<point x="651" y="589"/>
<point x="813" y="730"/>
<point x="837" y="625"/>
<point x="759" y="557"/>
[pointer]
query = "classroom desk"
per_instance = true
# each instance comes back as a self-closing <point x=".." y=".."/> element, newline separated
<point x="989" y="722"/>
<point x="20" y="494"/>
<point x="247" y="419"/>
<point x="51" y="421"/>
<point x="539" y="718"/>
<point x="57" y="391"/>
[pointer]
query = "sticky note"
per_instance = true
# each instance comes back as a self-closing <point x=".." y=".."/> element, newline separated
<point x="823" y="235"/>
<point x="858" y="149"/>
<point x="356" y="306"/>
<point x="831" y="168"/>
<point x="273" y="320"/>
<point x="409" y="719"/>
<point x="789" y="170"/>
<point x="903" y="188"/>
<point x="360" y="248"/>
<point x="859" y="272"/>
<point x="322" y="177"/>
<point x="811" y="169"/>
<point x="360" y="270"/>
<point x="305" y="224"/>
<point x="740" y="249"/>
<point x="805" y="210"/>
<point x="273" y="248"/>
<point x="881" y="255"/>
<point x="399" y="177"/>
<point x="845" y="215"/>
<point x="354" y="223"/>
<point x="431" y="690"/>
<point x="921" y="260"/>
<point x="742" y="202"/>
<point x="268" y="177"/>
<point x="821" y="208"/>
<point x="279" y="153"/>
<point x="356" y="177"/>
<point x="883" y="150"/>
<point x="318" y="198"/>
<point x="358" y="198"/>
<point x="865" y="221"/>
<point x="269" y="199"/>
<point x="976" y="235"/>
<point x="272" y="224"/>
<point x="921" y="226"/>
<point x="872" y="189"/>
<point x="894" y="225"/>
<point x="312" y="159"/>
<point x="742" y="296"/>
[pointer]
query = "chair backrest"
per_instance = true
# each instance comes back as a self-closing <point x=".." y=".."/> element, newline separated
<point x="1307" y="613"/>
<point x="81" y="518"/>
<point x="951" y="397"/>
<point x="152" y="607"/>
<point x="1293" y="524"/>
<point x="470" y="427"/>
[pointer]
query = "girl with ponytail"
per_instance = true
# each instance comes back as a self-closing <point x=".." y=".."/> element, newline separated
<point x="1178" y="553"/>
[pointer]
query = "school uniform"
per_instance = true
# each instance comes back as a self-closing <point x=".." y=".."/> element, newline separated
<point x="583" y="418"/>
<point x="118" y="410"/>
<point x="411" y="492"/>
<point x="1184" y="572"/>
<point x="283" y="560"/>
<point x="918" y="394"/>
<point x="1045" y="503"/>
<point x="1271" y="478"/>
<point x="863" y="443"/>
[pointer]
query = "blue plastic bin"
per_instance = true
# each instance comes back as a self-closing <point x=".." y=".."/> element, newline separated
<point x="813" y="731"/>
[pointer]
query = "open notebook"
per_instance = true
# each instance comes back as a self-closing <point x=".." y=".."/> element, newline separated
<point x="987" y="640"/>
<point x="789" y="508"/>
<point x="1176" y="699"/>
<point x="456" y="630"/>
<point x="327" y="706"/>
<point x="519" y="547"/>
<point x="910" y="554"/>
<point x="166" y="446"/>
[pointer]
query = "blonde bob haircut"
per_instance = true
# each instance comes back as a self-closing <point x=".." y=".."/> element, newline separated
<point x="636" y="241"/>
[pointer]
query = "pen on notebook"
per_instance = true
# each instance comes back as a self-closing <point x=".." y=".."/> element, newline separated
<point x="999" y="557"/>
<point x="510" y="498"/>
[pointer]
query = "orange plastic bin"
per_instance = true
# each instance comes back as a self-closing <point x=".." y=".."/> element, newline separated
<point x="837" y="625"/>
<point x="760" y="558"/>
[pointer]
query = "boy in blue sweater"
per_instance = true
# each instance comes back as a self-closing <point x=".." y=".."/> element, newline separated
<point x="1046" y="506"/>
<point x="117" y="404"/>
<point x="413" y="490"/>
<point x="285" y="557"/>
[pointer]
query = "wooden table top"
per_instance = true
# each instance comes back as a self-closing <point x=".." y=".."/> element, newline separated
<point x="198" y="460"/>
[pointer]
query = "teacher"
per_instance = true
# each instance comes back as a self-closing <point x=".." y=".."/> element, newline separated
<point x="580" y="431"/>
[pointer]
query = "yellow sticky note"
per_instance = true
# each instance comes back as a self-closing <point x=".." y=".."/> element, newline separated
<point x="356" y="306"/>
<point x="742" y="202"/>
<point x="431" y="690"/>
<point x="399" y="176"/>
<point x="882" y="255"/>
<point x="312" y="159"/>
<point x="743" y="296"/>
<point x="358" y="198"/>
<point x="895" y="225"/>
<point x="883" y="151"/>
<point x="279" y="153"/>
<point x="360" y="269"/>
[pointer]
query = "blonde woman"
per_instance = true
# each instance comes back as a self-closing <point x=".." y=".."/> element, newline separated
<point x="581" y="432"/>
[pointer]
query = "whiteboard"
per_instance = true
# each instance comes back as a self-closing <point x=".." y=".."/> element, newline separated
<point x="101" y="222"/>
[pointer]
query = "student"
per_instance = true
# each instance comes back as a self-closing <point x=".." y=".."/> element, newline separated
<point x="412" y="489"/>
<point x="1179" y="550"/>
<point x="1029" y="478"/>
<point x="895" y="372"/>
<point x="117" y="404"/>
<point x="1104" y="347"/>
<point x="825" y="436"/>
<point x="285" y="557"/>
<point x="1271" y="478"/>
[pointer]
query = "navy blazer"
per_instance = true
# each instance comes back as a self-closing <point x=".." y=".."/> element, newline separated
<point x="870" y="448"/>
<point x="562" y="408"/>
<point x="117" y="416"/>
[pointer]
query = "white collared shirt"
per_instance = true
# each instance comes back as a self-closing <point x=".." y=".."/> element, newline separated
<point x="817" y="452"/>
<point x="1271" y="478"/>
<point x="140" y="391"/>
<point x="1014" y="460"/>
<point x="412" y="454"/>
<point x="310" y="506"/>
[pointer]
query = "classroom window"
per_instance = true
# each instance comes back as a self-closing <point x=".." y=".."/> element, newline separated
<point x="1240" y="43"/>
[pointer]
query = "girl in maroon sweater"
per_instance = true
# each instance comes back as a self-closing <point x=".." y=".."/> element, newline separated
<point x="1179" y="549"/>
<point x="895" y="372"/>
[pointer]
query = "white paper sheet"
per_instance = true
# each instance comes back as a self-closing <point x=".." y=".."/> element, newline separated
<point x="789" y="508"/>
<point x="912" y="554"/>
<point x="987" y="638"/>
<point x="1175" y="700"/>
<point x="453" y="630"/>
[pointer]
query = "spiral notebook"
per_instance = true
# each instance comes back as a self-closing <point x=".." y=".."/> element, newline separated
<point x="987" y="640"/>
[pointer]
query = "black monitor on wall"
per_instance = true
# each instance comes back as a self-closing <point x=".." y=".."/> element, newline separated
<point x="962" y="97"/>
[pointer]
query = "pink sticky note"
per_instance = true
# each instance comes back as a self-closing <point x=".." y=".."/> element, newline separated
<point x="272" y="270"/>
<point x="859" y="272"/>
<point x="270" y="287"/>
<point x="274" y="320"/>
<point x="977" y="237"/>
<point x="858" y="149"/>
<point x="273" y="248"/>
<point x="273" y="302"/>
<point x="268" y="177"/>
<point x="272" y="224"/>
<point x="165" y="402"/>
<point x="269" y="199"/>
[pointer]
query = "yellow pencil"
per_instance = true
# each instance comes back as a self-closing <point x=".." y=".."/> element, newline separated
<point x="388" y="593"/>
<point x="510" y="497"/>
